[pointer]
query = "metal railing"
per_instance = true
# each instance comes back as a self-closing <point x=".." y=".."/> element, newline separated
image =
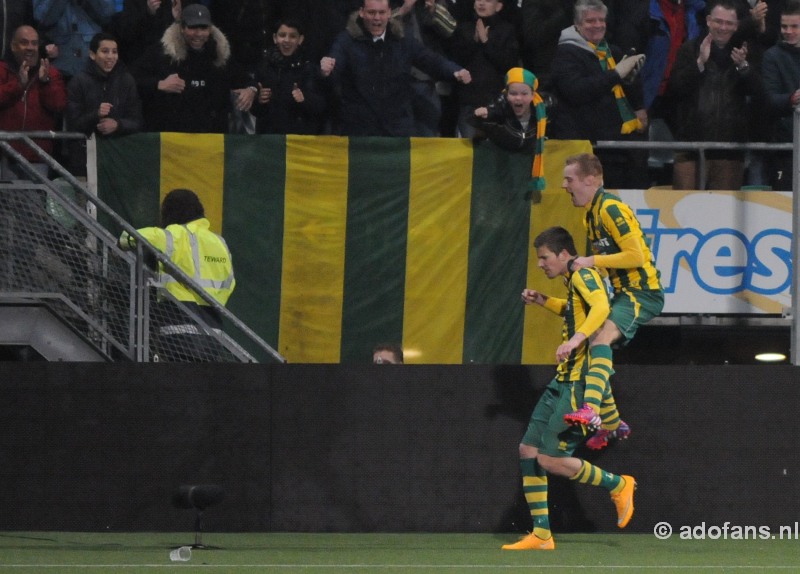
<point x="54" y="251"/>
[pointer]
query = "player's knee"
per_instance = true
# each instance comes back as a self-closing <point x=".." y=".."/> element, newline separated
<point x="607" y="334"/>
<point x="549" y="463"/>
<point x="527" y="451"/>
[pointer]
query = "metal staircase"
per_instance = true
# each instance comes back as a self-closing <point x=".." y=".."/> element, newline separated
<point x="68" y="292"/>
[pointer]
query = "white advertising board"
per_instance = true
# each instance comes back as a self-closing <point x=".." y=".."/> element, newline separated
<point x="719" y="252"/>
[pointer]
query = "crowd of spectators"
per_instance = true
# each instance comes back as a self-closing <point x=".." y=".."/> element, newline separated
<point x="606" y="71"/>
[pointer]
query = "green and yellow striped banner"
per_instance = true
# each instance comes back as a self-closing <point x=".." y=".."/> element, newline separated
<point x="342" y="243"/>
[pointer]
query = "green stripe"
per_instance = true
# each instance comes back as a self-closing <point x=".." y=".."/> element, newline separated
<point x="375" y="247"/>
<point x="253" y="204"/>
<point x="128" y="178"/>
<point x="498" y="256"/>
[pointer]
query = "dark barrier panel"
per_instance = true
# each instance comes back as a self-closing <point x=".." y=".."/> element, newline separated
<point x="378" y="448"/>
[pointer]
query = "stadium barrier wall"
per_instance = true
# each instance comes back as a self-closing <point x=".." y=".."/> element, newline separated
<point x="102" y="447"/>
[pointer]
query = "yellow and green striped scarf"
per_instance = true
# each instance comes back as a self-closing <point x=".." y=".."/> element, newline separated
<point x="523" y="76"/>
<point x="630" y="123"/>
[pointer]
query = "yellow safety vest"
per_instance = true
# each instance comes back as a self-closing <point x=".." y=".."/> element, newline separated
<point x="201" y="254"/>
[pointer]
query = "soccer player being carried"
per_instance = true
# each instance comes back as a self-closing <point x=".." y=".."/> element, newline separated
<point x="620" y="247"/>
<point x="549" y="441"/>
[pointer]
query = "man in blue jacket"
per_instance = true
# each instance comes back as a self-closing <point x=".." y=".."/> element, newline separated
<point x="370" y="64"/>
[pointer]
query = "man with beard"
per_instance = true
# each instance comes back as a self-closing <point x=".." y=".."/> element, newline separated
<point x="186" y="80"/>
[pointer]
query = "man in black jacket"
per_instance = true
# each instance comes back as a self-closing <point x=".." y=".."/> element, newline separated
<point x="187" y="79"/>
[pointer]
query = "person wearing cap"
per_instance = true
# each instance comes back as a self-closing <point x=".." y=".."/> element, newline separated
<point x="186" y="80"/>
<point x="487" y="46"/>
<point x="370" y="64"/>
<point x="516" y="120"/>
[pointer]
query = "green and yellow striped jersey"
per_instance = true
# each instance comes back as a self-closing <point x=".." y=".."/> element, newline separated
<point x="619" y="244"/>
<point x="584" y="310"/>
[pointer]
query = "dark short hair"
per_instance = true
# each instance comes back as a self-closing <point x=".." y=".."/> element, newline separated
<point x="290" y="22"/>
<point x="791" y="8"/>
<point x="588" y="164"/>
<point x="393" y="348"/>
<point x="727" y="5"/>
<point x="181" y="206"/>
<point x="556" y="239"/>
<point x="94" y="44"/>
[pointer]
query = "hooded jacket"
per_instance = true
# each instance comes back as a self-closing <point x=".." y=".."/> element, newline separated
<point x="374" y="79"/>
<point x="210" y="75"/>
<point x="91" y="87"/>
<point x="586" y="108"/>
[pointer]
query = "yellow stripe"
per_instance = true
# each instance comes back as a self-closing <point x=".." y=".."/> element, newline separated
<point x="196" y="162"/>
<point x="542" y="329"/>
<point x="534" y="481"/>
<point x="437" y="251"/>
<point x="536" y="496"/>
<point x="312" y="279"/>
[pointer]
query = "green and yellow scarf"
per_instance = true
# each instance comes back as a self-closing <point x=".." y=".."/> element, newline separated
<point x="523" y="76"/>
<point x="630" y="123"/>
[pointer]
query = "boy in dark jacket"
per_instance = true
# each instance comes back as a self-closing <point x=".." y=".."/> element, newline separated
<point x="288" y="99"/>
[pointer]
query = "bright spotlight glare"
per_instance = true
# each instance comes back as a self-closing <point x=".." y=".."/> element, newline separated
<point x="770" y="357"/>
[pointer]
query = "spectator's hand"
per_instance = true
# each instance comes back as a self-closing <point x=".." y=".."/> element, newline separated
<point x="264" y="94"/>
<point x="530" y="296"/>
<point x="481" y="32"/>
<point x="795" y="98"/>
<point x="326" y="65"/>
<point x="643" y="119"/>
<point x="463" y="76"/>
<point x="52" y="51"/>
<point x="244" y="99"/>
<point x="153" y="6"/>
<point x="297" y="94"/>
<point x="739" y="56"/>
<point x="176" y="9"/>
<point x="481" y="113"/>
<point x="24" y="70"/>
<point x="105" y="109"/>
<point x="705" y="53"/>
<point x="107" y="126"/>
<point x="44" y="70"/>
<point x="172" y="84"/>
<point x="628" y="64"/>
<point x="408" y="6"/>
<point x="431" y="6"/>
<point x="759" y="15"/>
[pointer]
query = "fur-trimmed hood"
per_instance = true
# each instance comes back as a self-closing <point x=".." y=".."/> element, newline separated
<point x="357" y="31"/>
<point x="175" y="46"/>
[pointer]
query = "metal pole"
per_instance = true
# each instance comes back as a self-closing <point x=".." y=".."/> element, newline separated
<point x="795" y="340"/>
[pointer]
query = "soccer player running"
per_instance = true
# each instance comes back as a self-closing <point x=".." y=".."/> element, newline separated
<point x="620" y="247"/>
<point x="549" y="441"/>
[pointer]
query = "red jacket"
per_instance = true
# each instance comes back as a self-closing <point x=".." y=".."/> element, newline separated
<point x="36" y="108"/>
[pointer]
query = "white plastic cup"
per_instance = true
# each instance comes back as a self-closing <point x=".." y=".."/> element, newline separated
<point x="182" y="554"/>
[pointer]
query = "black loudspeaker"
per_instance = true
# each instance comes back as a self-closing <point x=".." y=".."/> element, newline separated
<point x="199" y="497"/>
